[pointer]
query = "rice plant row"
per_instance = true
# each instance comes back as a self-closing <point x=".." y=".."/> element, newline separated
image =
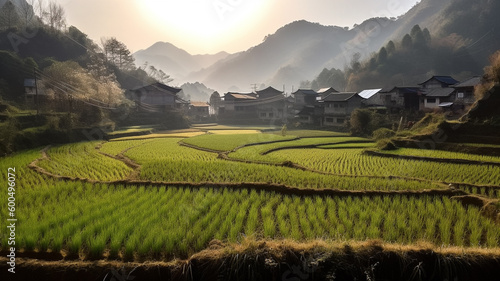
<point x="230" y="142"/>
<point x="354" y="162"/>
<point x="116" y="147"/>
<point x="165" y="161"/>
<point x="443" y="154"/>
<point x="255" y="152"/>
<point x="82" y="160"/>
<point x="148" y="221"/>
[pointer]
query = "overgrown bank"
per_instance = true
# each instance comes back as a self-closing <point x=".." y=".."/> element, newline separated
<point x="282" y="260"/>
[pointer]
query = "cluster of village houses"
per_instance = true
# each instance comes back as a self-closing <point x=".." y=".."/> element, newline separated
<point x="325" y="107"/>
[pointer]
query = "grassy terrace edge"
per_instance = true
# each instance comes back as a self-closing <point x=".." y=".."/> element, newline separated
<point x="369" y="260"/>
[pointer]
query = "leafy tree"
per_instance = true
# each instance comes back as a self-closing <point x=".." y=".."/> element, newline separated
<point x="382" y="56"/>
<point x="390" y="47"/>
<point x="415" y="30"/>
<point x="27" y="13"/>
<point x="407" y="41"/>
<point x="118" y="54"/>
<point x="355" y="64"/>
<point x="360" y="122"/>
<point x="9" y="16"/>
<point x="365" y="121"/>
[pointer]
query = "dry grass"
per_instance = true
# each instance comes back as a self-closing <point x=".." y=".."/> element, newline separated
<point x="277" y="248"/>
<point x="218" y="250"/>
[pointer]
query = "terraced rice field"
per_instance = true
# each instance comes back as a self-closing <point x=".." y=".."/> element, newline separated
<point x="162" y="207"/>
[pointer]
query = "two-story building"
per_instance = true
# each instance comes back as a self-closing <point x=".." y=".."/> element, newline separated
<point x="266" y="105"/>
<point x="304" y="103"/>
<point x="465" y="90"/>
<point x="396" y="99"/>
<point x="157" y="97"/>
<point x="372" y="97"/>
<point x="199" y="110"/>
<point x="437" y="92"/>
<point x="337" y="108"/>
<point x="303" y="97"/>
<point x="272" y="105"/>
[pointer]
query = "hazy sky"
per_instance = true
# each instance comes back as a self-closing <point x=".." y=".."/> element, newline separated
<point x="210" y="26"/>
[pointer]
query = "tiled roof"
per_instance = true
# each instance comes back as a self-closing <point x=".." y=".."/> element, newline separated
<point x="306" y="92"/>
<point x="339" y="97"/>
<point x="471" y="82"/>
<point x="324" y="90"/>
<point x="158" y="87"/>
<point x="448" y="80"/>
<point x="439" y="92"/>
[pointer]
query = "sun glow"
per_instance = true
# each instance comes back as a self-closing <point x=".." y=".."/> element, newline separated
<point x="203" y="19"/>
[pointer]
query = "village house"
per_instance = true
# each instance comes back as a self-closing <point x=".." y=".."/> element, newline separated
<point x="396" y="99"/>
<point x="304" y="103"/>
<point x="34" y="94"/>
<point x="372" y="98"/>
<point x="199" y="110"/>
<point x="465" y="90"/>
<point x="157" y="97"/>
<point x="238" y="104"/>
<point x="266" y="105"/>
<point x="272" y="105"/>
<point x="303" y="97"/>
<point x="437" y="92"/>
<point x="324" y="92"/>
<point x="337" y="108"/>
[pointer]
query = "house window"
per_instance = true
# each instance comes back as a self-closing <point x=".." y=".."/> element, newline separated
<point x="460" y="95"/>
<point x="329" y="120"/>
<point x="342" y="105"/>
<point x="340" y="120"/>
<point x="263" y="115"/>
<point x="271" y="114"/>
<point x="431" y="100"/>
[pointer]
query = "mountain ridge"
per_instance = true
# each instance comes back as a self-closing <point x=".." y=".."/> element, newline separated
<point x="299" y="50"/>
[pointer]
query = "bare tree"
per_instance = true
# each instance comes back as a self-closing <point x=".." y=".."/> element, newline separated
<point x="40" y="9"/>
<point x="56" y="16"/>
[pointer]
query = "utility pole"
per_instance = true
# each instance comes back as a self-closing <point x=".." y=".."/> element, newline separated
<point x="36" y="93"/>
<point x="254" y="87"/>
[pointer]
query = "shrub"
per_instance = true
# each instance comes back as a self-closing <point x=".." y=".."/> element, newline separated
<point x="383" y="133"/>
<point x="386" y="144"/>
<point x="364" y="121"/>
